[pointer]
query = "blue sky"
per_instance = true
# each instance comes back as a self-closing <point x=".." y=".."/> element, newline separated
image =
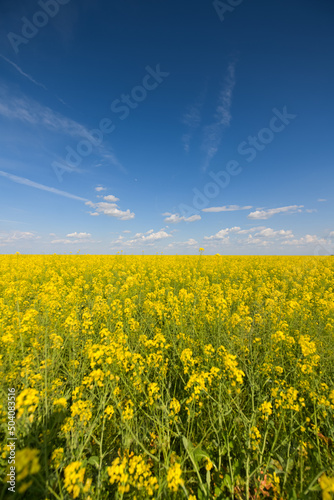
<point x="165" y="126"/>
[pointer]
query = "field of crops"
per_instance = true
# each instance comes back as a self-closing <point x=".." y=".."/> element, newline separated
<point x="168" y="376"/>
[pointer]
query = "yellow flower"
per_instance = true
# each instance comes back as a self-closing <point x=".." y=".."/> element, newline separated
<point x="153" y="392"/>
<point x="327" y="486"/>
<point x="26" y="463"/>
<point x="24" y="486"/>
<point x="57" y="457"/>
<point x="128" y="412"/>
<point x="83" y="410"/>
<point x="74" y="476"/>
<point x="29" y="399"/>
<point x="255" y="436"/>
<point x="132" y="471"/>
<point x="61" y="402"/>
<point x="266" y="409"/>
<point x="174" y="478"/>
<point x="174" y="407"/>
<point x="208" y="465"/>
<point x="109" y="411"/>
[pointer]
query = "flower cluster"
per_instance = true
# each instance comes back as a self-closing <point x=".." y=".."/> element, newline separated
<point x="132" y="471"/>
<point x="195" y="376"/>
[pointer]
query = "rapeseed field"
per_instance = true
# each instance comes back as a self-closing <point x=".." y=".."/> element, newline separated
<point x="168" y="377"/>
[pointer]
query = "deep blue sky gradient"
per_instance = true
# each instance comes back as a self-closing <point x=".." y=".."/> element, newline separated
<point x="225" y="78"/>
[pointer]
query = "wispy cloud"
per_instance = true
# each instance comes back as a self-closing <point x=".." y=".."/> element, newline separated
<point x="189" y="243"/>
<point x="268" y="232"/>
<point x="322" y="199"/>
<point x="192" y="119"/>
<point x="223" y="114"/>
<point x="258" y="231"/>
<point x="308" y="239"/>
<point x="256" y="236"/>
<point x="73" y="239"/>
<point x="42" y="187"/>
<point x="213" y="133"/>
<point x="175" y="218"/>
<point x="100" y="188"/>
<point x="15" y="236"/>
<point x="30" y="78"/>
<point x="26" y="75"/>
<point x="64" y="241"/>
<point x="266" y="214"/>
<point x="30" y="112"/>
<point x="228" y="208"/>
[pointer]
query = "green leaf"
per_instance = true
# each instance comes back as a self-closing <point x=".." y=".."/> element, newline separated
<point x="208" y="479"/>
<point x="289" y="466"/>
<point x="94" y="461"/>
<point x="227" y="482"/>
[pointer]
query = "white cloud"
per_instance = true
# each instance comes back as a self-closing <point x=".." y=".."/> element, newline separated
<point x="229" y="208"/>
<point x="94" y="214"/>
<point x="175" y="218"/>
<point x="119" y="239"/>
<point x="148" y="238"/>
<point x="223" y="233"/>
<point x="156" y="236"/>
<point x="79" y="235"/>
<point x="191" y="242"/>
<point x="100" y="188"/>
<point x="266" y="214"/>
<point x="251" y="230"/>
<point x="322" y="199"/>
<point x="250" y="240"/>
<point x="110" y="209"/>
<point x="111" y="198"/>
